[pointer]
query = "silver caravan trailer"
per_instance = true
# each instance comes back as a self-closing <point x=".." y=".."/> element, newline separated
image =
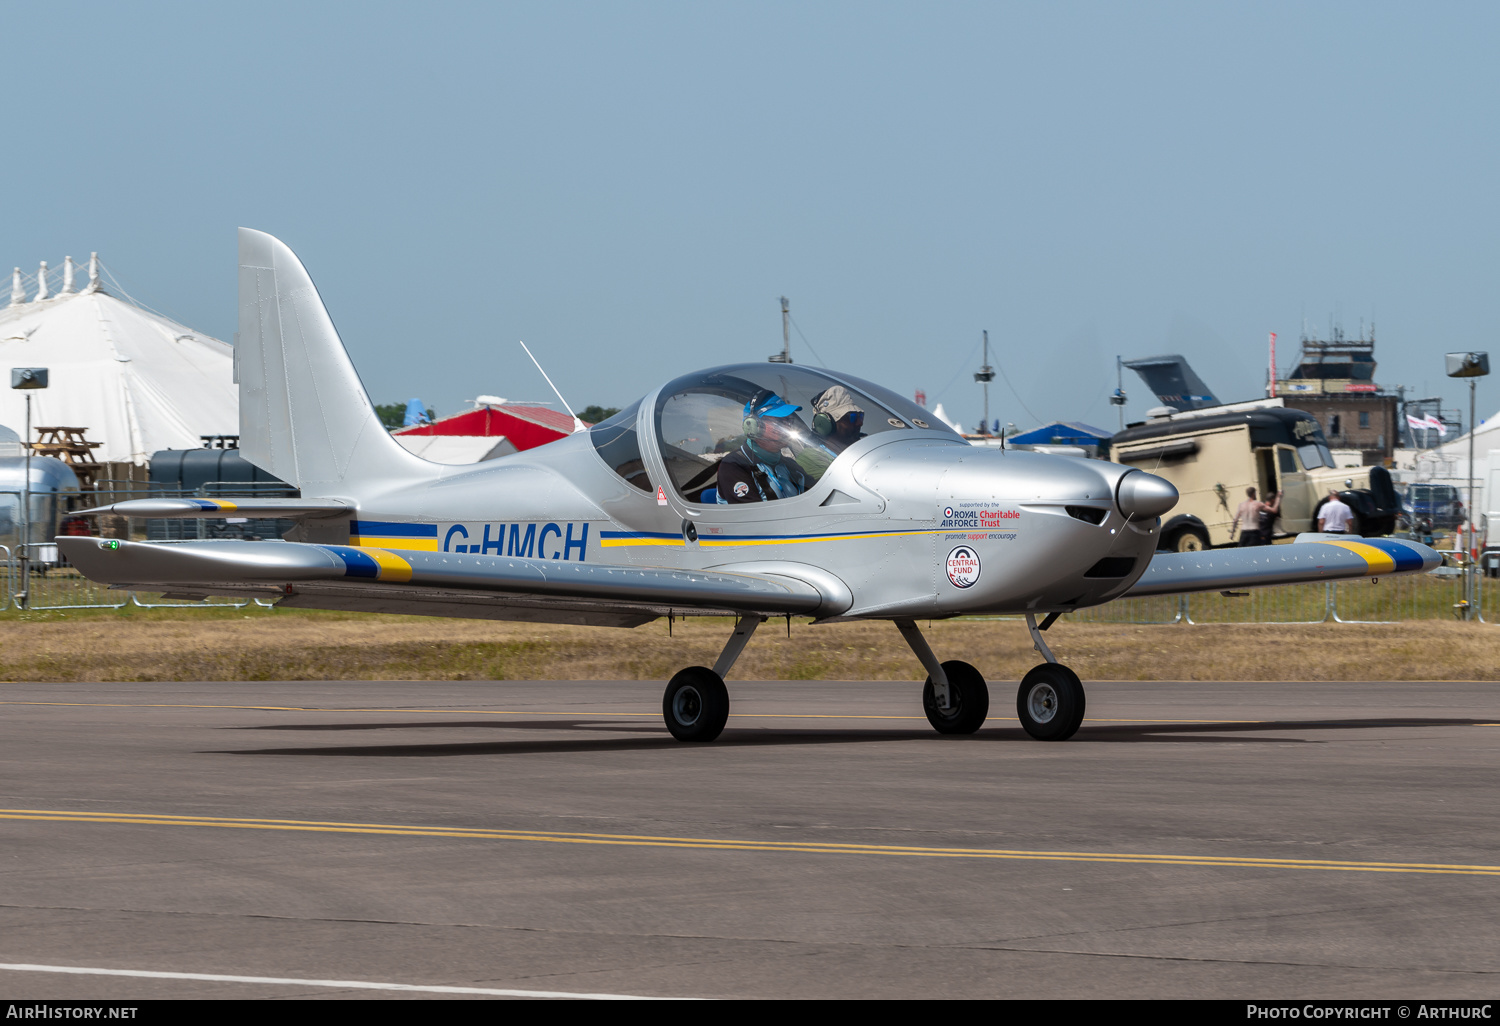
<point x="54" y="488"/>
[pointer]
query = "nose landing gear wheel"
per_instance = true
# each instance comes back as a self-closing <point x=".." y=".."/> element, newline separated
<point x="968" y="700"/>
<point x="695" y="704"/>
<point x="1050" y="702"/>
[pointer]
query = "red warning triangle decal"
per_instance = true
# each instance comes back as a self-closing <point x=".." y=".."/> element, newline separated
<point x="661" y="496"/>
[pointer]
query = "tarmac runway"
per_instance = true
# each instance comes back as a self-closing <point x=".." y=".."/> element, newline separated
<point x="1194" y="840"/>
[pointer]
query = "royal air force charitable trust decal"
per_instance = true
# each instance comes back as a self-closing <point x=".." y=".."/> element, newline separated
<point x="979" y="521"/>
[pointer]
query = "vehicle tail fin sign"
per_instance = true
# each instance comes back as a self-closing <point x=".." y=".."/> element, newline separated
<point x="294" y="374"/>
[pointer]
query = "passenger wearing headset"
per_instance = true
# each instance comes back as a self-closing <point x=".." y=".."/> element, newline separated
<point x="766" y="465"/>
<point x="835" y="424"/>
<point x="837" y="418"/>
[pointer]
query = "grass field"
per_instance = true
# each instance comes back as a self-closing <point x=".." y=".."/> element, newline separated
<point x="255" y="644"/>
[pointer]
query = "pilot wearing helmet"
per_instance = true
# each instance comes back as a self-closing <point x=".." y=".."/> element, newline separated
<point x="765" y="466"/>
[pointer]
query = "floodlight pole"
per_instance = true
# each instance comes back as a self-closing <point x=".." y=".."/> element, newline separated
<point x="785" y="356"/>
<point x="26" y="377"/>
<point x="985" y="376"/>
<point x="1118" y="399"/>
<point x="25" y="563"/>
<point x="1469" y="611"/>
<point x="1472" y="366"/>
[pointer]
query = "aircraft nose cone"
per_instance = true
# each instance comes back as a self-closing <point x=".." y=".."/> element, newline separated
<point x="1143" y="496"/>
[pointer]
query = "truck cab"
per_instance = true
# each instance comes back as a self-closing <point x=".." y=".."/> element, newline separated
<point x="1213" y="457"/>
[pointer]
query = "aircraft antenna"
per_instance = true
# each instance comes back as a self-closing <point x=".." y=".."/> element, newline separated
<point x="985" y="375"/>
<point x="578" y="425"/>
<point x="785" y="356"/>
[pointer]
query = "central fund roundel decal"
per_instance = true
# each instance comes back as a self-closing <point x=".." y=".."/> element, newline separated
<point x="948" y="512"/>
<point x="963" y="567"/>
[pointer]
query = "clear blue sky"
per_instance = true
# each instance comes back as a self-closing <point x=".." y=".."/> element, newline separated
<point x="630" y="186"/>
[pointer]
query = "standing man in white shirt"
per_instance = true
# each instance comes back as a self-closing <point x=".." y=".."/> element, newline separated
<point x="1335" y="516"/>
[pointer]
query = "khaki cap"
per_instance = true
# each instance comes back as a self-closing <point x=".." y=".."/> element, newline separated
<point x="836" y="402"/>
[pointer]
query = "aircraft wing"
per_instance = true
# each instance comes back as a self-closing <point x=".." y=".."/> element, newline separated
<point x="437" y="583"/>
<point x="160" y="509"/>
<point x="1172" y="573"/>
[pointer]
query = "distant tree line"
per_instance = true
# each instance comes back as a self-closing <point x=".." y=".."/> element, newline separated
<point x="594" y="414"/>
<point x="393" y="415"/>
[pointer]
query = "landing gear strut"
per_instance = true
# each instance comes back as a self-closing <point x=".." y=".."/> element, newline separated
<point x="696" y="702"/>
<point x="1050" y="702"/>
<point x="955" y="697"/>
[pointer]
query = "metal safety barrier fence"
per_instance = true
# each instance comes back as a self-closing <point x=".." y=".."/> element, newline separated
<point x="1489" y="597"/>
<point x="42" y="582"/>
<point x="37" y="578"/>
<point x="1439" y="595"/>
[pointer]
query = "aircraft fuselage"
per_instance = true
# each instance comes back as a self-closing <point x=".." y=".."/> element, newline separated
<point x="912" y="524"/>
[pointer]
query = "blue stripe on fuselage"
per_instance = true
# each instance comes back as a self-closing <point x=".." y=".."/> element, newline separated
<point x="390" y="529"/>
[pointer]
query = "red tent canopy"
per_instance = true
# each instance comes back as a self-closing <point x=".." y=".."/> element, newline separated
<point x="526" y="426"/>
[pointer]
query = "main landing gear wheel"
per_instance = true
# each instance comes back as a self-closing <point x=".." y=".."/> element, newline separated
<point x="1050" y="702"/>
<point x="968" y="700"/>
<point x="696" y="704"/>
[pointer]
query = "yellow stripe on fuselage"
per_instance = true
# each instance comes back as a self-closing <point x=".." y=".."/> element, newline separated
<point x="392" y="566"/>
<point x="411" y="544"/>
<point x="1380" y="563"/>
<point x="803" y="539"/>
<point x="615" y="543"/>
<point x="224" y="505"/>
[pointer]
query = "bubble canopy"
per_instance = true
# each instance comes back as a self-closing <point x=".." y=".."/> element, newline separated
<point x="700" y="419"/>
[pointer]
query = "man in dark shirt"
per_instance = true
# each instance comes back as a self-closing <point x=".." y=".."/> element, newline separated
<point x="764" y="467"/>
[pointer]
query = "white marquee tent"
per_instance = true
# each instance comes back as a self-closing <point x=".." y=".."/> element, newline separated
<point x="138" y="381"/>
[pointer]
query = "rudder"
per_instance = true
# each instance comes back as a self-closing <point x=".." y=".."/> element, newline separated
<point x="304" y="414"/>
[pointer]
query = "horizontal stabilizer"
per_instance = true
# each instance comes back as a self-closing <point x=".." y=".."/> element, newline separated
<point x="1172" y="573"/>
<point x="450" y="584"/>
<point x="158" y="509"/>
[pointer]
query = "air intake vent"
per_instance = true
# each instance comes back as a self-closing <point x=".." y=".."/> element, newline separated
<point x="1088" y="514"/>
<point x="1111" y="566"/>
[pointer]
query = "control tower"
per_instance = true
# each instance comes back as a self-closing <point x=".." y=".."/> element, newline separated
<point x="1334" y="380"/>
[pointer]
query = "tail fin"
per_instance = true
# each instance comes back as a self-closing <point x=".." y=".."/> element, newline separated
<point x="304" y="415"/>
<point x="1174" y="382"/>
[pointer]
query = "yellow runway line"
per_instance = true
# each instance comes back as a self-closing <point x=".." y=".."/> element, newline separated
<point x="732" y="844"/>
<point x="573" y="713"/>
<point x="316" y="708"/>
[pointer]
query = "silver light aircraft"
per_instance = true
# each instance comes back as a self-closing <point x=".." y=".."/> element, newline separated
<point x="753" y="490"/>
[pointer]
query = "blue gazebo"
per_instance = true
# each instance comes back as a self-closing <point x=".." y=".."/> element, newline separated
<point x="1064" y="432"/>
